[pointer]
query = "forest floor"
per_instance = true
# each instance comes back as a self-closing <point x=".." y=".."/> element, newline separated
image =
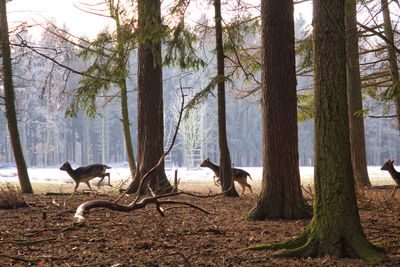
<point x="44" y="233"/>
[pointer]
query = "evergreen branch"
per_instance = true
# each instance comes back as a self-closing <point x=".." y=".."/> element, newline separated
<point x="234" y="46"/>
<point x="201" y="96"/>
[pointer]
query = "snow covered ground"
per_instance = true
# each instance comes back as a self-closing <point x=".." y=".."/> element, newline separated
<point x="119" y="173"/>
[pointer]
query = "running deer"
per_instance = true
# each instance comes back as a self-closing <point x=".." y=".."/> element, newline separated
<point x="86" y="173"/>
<point x="388" y="166"/>
<point x="238" y="175"/>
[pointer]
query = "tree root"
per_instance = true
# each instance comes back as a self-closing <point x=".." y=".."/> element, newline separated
<point x="307" y="244"/>
<point x="290" y="244"/>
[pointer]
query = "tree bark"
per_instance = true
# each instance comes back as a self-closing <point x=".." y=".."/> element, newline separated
<point x="335" y="229"/>
<point x="9" y="99"/>
<point x="126" y="127"/>
<point x="123" y="57"/>
<point x="225" y="158"/>
<point x="281" y="196"/>
<point x="394" y="69"/>
<point x="150" y="98"/>
<point x="354" y="98"/>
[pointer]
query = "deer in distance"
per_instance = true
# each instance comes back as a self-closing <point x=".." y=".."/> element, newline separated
<point x="86" y="173"/>
<point x="388" y="166"/>
<point x="238" y="175"/>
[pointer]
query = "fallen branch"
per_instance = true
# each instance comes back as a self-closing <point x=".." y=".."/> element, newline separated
<point x="135" y="205"/>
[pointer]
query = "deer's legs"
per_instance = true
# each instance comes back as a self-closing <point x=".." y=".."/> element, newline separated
<point x="108" y="174"/>
<point x="76" y="187"/>
<point x="249" y="186"/>
<point x="244" y="185"/>
<point x="102" y="177"/>
<point x="394" y="191"/>
<point x="88" y="184"/>
<point x="243" y="188"/>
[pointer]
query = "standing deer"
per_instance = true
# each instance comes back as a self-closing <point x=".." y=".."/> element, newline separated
<point x="238" y="175"/>
<point x="388" y="166"/>
<point x="86" y="173"/>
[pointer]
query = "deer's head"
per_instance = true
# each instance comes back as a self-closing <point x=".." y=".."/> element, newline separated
<point x="388" y="165"/>
<point x="205" y="163"/>
<point x="66" y="166"/>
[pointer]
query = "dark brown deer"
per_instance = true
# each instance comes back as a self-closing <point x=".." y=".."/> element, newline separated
<point x="388" y="166"/>
<point x="238" y="175"/>
<point x="86" y="173"/>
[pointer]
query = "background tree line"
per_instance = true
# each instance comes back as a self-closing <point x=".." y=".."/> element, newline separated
<point x="44" y="90"/>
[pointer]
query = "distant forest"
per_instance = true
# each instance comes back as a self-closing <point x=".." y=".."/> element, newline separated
<point x="44" y="89"/>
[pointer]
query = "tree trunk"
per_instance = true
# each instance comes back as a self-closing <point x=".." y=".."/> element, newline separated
<point x="335" y="229"/>
<point x="126" y="126"/>
<point x="394" y="69"/>
<point x="9" y="99"/>
<point x="123" y="58"/>
<point x="354" y="98"/>
<point x="281" y="195"/>
<point x="150" y="98"/>
<point x="224" y="156"/>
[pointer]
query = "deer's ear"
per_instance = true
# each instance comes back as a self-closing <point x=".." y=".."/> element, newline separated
<point x="391" y="161"/>
<point x="207" y="159"/>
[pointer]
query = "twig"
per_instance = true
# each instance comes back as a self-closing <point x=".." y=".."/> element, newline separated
<point x="18" y="258"/>
<point x="27" y="242"/>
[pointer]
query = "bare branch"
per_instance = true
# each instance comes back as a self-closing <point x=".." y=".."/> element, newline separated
<point x="381" y="35"/>
<point x="382" y="116"/>
<point x="33" y="49"/>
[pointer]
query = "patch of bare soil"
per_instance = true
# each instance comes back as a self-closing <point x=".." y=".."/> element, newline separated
<point x="44" y="233"/>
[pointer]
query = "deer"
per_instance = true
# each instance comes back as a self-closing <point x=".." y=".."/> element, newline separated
<point x="388" y="166"/>
<point x="238" y="175"/>
<point x="86" y="173"/>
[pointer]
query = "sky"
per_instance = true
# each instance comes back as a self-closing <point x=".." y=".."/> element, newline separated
<point x="79" y="22"/>
<point x="61" y="11"/>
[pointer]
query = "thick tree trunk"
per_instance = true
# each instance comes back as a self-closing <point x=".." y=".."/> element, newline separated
<point x="281" y="195"/>
<point x="394" y="69"/>
<point x="354" y="98"/>
<point x="225" y="158"/>
<point x="335" y="229"/>
<point x="9" y="99"/>
<point x="150" y="98"/>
